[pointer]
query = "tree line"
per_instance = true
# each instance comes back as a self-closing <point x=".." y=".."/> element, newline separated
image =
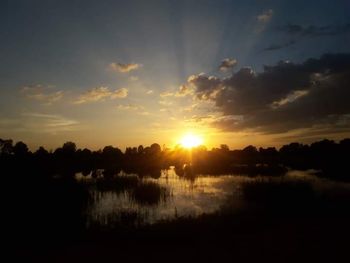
<point x="327" y="156"/>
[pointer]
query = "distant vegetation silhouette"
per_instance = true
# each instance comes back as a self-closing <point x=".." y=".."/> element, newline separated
<point x="327" y="156"/>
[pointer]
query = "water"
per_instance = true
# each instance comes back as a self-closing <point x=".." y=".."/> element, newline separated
<point x="139" y="201"/>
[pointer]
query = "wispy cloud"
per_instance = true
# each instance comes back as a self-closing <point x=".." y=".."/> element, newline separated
<point x="299" y="32"/>
<point x="130" y="107"/>
<point x="34" y="122"/>
<point x="100" y="94"/>
<point x="166" y="94"/>
<point x="123" y="68"/>
<point x="165" y="103"/>
<point x="265" y="16"/>
<point x="119" y="93"/>
<point x="137" y="109"/>
<point x="42" y="94"/>
<point x="263" y="19"/>
<point x="52" y="120"/>
<point x="293" y="96"/>
<point x="279" y="46"/>
<point x="184" y="90"/>
<point x="189" y="108"/>
<point x="315" y="31"/>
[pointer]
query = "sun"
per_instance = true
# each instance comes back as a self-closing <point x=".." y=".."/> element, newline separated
<point x="191" y="140"/>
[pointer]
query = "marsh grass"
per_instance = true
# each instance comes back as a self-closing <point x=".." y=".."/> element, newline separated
<point x="149" y="193"/>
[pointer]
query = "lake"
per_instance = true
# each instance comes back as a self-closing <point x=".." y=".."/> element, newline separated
<point x="131" y="200"/>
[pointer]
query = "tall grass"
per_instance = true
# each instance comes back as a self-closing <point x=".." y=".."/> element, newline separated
<point x="149" y="193"/>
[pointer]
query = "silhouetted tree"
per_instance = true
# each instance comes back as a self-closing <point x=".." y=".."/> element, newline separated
<point x="140" y="149"/>
<point x="224" y="147"/>
<point x="112" y="157"/>
<point x="6" y="146"/>
<point x="41" y="151"/>
<point x="69" y="147"/>
<point x="250" y="155"/>
<point x="20" y="149"/>
<point x="268" y="155"/>
<point x="155" y="149"/>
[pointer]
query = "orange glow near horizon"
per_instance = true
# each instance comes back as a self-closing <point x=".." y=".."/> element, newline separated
<point x="191" y="140"/>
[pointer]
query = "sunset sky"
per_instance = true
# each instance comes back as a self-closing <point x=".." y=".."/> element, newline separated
<point x="126" y="73"/>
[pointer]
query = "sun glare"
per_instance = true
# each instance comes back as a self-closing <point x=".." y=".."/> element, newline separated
<point x="190" y="141"/>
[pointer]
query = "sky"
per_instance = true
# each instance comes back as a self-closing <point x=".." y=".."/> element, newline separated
<point x="126" y="73"/>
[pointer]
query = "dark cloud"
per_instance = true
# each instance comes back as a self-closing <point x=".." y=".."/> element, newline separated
<point x="299" y="32"/>
<point x="227" y="63"/>
<point x="279" y="46"/>
<point x="283" y="97"/>
<point x="315" y="31"/>
<point x="206" y="86"/>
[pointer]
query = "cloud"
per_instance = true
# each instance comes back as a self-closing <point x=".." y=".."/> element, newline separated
<point x="183" y="91"/>
<point x="293" y="96"/>
<point x="42" y="94"/>
<point x="100" y="94"/>
<point x="123" y="68"/>
<point x="299" y="32"/>
<point x="315" y="31"/>
<point x="39" y="123"/>
<point x="148" y="92"/>
<point x="166" y="94"/>
<point x="281" y="98"/>
<point x="206" y="86"/>
<point x="265" y="16"/>
<point x="119" y="93"/>
<point x="51" y="120"/>
<point x="263" y="20"/>
<point x="227" y="63"/>
<point x="208" y="119"/>
<point x="165" y="103"/>
<point x="189" y="108"/>
<point x="138" y="109"/>
<point x="279" y="46"/>
<point x="130" y="107"/>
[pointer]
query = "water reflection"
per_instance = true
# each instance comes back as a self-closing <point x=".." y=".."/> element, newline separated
<point x="135" y="200"/>
<point x="127" y="197"/>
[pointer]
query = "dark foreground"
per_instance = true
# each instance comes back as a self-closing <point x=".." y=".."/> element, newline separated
<point x="209" y="239"/>
<point x="284" y="222"/>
